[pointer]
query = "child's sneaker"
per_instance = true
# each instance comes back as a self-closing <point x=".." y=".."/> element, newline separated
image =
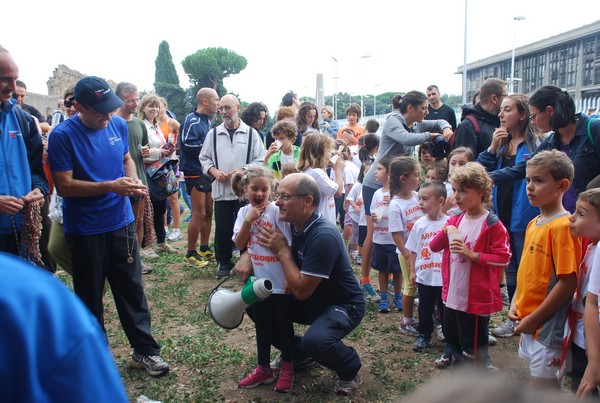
<point x="285" y="381"/>
<point x="492" y="341"/>
<point x="384" y="304"/>
<point x="358" y="259"/>
<point x="439" y="333"/>
<point x="444" y="361"/>
<point x="260" y="376"/>
<point x="421" y="344"/>
<point x="175" y="235"/>
<point x="507" y="329"/>
<point x="398" y="301"/>
<point x="408" y="328"/>
<point x="369" y="293"/>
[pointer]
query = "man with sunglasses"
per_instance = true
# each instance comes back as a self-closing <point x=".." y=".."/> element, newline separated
<point x="319" y="274"/>
<point x="227" y="149"/>
<point x="22" y="178"/>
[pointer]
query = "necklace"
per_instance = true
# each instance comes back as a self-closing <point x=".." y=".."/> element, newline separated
<point x="130" y="259"/>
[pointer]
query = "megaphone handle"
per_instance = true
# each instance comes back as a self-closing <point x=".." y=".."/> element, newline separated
<point x="212" y="292"/>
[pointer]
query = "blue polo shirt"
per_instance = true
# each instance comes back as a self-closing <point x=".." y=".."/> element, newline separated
<point x="319" y="251"/>
<point x="94" y="156"/>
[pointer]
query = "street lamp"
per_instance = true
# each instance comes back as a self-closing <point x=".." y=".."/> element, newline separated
<point x="512" y="62"/>
<point x="362" y="83"/>
<point x="335" y="78"/>
<point x="375" y="100"/>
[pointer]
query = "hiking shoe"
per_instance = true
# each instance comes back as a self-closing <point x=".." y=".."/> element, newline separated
<point x="504" y="293"/>
<point x="285" y="380"/>
<point x="421" y="344"/>
<point x="148" y="253"/>
<point x="492" y="341"/>
<point x="507" y="329"/>
<point x="346" y="387"/>
<point x="260" y="376"/>
<point x="299" y="364"/>
<point x="384" y="304"/>
<point x="146" y="269"/>
<point x="439" y="333"/>
<point x="208" y="254"/>
<point x="369" y="293"/>
<point x="223" y="270"/>
<point x="408" y="328"/>
<point x="444" y="361"/>
<point x="398" y="301"/>
<point x="175" y="235"/>
<point x="153" y="364"/>
<point x="195" y="261"/>
<point x="164" y="248"/>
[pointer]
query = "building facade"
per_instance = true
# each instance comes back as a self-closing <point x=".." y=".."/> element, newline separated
<point x="570" y="60"/>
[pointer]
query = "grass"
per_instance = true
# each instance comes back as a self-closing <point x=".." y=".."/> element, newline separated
<point x="207" y="361"/>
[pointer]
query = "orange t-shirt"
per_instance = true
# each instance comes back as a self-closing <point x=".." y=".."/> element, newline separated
<point x="358" y="130"/>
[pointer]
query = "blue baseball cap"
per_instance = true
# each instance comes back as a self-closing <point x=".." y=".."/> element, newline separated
<point x="96" y="93"/>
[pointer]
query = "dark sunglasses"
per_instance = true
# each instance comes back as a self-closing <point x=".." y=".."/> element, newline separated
<point x="69" y="102"/>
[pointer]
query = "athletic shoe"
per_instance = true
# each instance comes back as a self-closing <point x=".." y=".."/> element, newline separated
<point x="384" y="304"/>
<point x="148" y="253"/>
<point x="195" y="261"/>
<point x="299" y="364"/>
<point x="492" y="341"/>
<point x="398" y="301"/>
<point x="175" y="235"/>
<point x="421" y="344"/>
<point x="223" y="270"/>
<point x="153" y="364"/>
<point x="207" y="254"/>
<point x="505" y="299"/>
<point x="346" y="387"/>
<point x="507" y="329"/>
<point x="167" y="233"/>
<point x="444" y="361"/>
<point x="164" y="248"/>
<point x="259" y="376"/>
<point x="285" y="380"/>
<point x="146" y="269"/>
<point x="490" y="366"/>
<point x="358" y="259"/>
<point x="408" y="328"/>
<point x="439" y="333"/>
<point x="369" y="293"/>
<point x="235" y="252"/>
<point x="353" y="254"/>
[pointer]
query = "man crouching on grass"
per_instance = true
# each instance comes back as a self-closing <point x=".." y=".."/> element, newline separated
<point x="318" y="272"/>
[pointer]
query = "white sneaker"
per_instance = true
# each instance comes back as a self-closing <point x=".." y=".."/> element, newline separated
<point x="507" y="329"/>
<point x="492" y="341"/>
<point x="175" y="235"/>
<point x="439" y="333"/>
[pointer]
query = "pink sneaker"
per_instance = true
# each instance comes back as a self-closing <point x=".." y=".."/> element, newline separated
<point x="259" y="376"/>
<point x="285" y="381"/>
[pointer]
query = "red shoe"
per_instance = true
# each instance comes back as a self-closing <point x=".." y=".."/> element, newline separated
<point x="285" y="382"/>
<point x="258" y="377"/>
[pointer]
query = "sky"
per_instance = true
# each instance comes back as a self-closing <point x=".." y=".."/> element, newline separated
<point x="379" y="45"/>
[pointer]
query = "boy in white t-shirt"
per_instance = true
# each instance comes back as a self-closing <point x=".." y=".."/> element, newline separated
<point x="584" y="223"/>
<point x="425" y="265"/>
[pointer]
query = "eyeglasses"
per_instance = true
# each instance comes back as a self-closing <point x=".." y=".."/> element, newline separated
<point x="225" y="108"/>
<point x="286" y="197"/>
<point x="69" y="102"/>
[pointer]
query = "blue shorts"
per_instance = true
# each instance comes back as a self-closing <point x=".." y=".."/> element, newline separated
<point x="384" y="258"/>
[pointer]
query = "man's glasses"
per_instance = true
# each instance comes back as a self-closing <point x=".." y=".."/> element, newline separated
<point x="286" y="197"/>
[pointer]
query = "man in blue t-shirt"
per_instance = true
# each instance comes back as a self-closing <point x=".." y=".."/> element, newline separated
<point x="318" y="272"/>
<point x="95" y="175"/>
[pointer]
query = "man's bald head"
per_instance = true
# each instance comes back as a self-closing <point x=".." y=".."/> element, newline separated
<point x="303" y="184"/>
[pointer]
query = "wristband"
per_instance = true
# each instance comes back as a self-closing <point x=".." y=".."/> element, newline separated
<point x="247" y="220"/>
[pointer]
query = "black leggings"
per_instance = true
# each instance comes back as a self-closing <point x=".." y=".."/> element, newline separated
<point x="159" y="207"/>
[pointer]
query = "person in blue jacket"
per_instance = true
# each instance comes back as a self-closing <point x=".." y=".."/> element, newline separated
<point x="553" y="109"/>
<point x="51" y="347"/>
<point x="329" y="125"/>
<point x="514" y="141"/>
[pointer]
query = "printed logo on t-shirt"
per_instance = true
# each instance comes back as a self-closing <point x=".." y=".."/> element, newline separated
<point x="13" y="134"/>
<point x="113" y="140"/>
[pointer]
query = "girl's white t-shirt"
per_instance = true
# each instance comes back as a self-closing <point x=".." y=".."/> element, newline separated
<point x="428" y="264"/>
<point x="327" y="190"/>
<point x="404" y="213"/>
<point x="264" y="263"/>
<point x="355" y="195"/>
<point x="350" y="173"/>
<point x="594" y="284"/>
<point x="583" y="281"/>
<point x="460" y="267"/>
<point x="381" y="231"/>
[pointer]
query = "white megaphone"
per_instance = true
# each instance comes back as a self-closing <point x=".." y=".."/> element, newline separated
<point x="227" y="307"/>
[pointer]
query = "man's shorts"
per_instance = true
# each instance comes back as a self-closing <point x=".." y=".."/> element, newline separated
<point x="543" y="361"/>
<point x="201" y="183"/>
<point x="384" y="258"/>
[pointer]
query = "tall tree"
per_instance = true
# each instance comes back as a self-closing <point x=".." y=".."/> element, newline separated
<point x="208" y="67"/>
<point x="166" y="81"/>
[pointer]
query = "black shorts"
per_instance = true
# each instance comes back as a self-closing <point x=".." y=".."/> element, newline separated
<point x="384" y="258"/>
<point x="201" y="183"/>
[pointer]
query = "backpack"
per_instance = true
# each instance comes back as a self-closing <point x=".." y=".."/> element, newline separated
<point x="475" y="123"/>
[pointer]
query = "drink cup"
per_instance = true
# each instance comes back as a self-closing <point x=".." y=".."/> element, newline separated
<point x="379" y="212"/>
<point x="279" y="144"/>
<point x="453" y="234"/>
